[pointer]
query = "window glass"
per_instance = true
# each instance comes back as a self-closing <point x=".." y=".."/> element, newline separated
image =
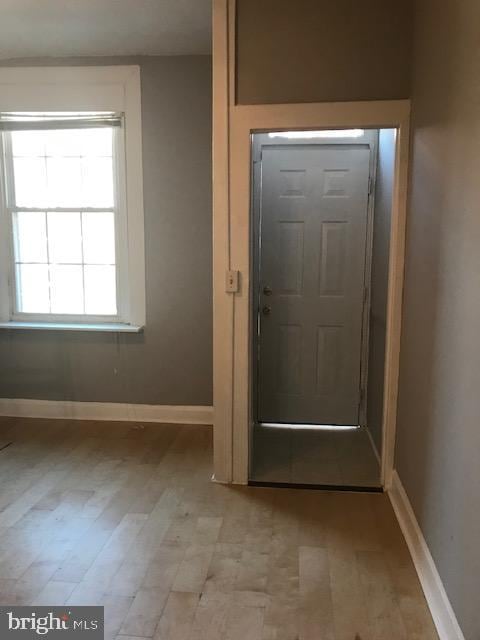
<point x="100" y="289"/>
<point x="31" y="234"/>
<point x="63" y="220"/>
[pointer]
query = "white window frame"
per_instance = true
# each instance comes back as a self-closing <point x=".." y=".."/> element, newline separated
<point x="92" y="89"/>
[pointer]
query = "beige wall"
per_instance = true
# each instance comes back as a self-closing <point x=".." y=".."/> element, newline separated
<point x="438" y="433"/>
<point x="319" y="50"/>
<point x="171" y="361"/>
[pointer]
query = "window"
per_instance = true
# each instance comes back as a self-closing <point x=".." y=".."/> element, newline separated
<point x="62" y="202"/>
<point x="67" y="227"/>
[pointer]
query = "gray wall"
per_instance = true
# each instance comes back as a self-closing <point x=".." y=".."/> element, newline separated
<point x="171" y="362"/>
<point x="379" y="282"/>
<point x="438" y="433"/>
<point x="323" y="50"/>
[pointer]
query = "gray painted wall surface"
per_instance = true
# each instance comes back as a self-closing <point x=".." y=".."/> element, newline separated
<point x="171" y="363"/>
<point x="319" y="50"/>
<point x="379" y="282"/>
<point x="438" y="432"/>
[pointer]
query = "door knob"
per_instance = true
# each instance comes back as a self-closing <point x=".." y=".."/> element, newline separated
<point x="267" y="291"/>
<point x="266" y="310"/>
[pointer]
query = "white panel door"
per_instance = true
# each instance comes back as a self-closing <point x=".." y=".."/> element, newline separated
<point x="313" y="228"/>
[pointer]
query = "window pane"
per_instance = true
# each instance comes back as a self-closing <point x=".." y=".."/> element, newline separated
<point x="64" y="142"/>
<point x="64" y="179"/>
<point x="30" y="237"/>
<point x="65" y="260"/>
<point x="97" y="187"/>
<point x="30" y="182"/>
<point x="28" y="143"/>
<point x="66" y="289"/>
<point x="32" y="286"/>
<point x="97" y="142"/>
<point x="64" y="237"/>
<point x="100" y="290"/>
<point x="98" y="237"/>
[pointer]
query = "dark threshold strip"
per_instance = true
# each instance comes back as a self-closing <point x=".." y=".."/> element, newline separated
<point x="316" y="487"/>
<point x="5" y="446"/>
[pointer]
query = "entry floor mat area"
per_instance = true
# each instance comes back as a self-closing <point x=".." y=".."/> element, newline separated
<point x="314" y="456"/>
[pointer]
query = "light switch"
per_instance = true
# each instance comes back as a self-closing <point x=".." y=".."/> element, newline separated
<point x="232" y="281"/>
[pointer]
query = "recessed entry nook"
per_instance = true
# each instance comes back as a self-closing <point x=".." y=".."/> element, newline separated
<point x="320" y="231"/>
<point x="312" y="221"/>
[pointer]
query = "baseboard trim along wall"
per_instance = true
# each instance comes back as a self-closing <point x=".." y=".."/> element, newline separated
<point x="435" y="594"/>
<point x="66" y="409"/>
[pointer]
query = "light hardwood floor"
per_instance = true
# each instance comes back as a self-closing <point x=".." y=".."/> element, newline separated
<point x="126" y="517"/>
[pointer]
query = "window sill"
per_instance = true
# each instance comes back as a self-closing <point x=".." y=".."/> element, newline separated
<point x="62" y="326"/>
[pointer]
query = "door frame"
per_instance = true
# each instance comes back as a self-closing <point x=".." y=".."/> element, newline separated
<point x="233" y="125"/>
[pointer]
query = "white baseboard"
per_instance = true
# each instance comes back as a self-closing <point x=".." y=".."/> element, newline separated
<point x="435" y="594"/>
<point x="24" y="408"/>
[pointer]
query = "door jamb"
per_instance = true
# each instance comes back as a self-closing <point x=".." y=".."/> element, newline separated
<point x="367" y="301"/>
<point x="233" y="125"/>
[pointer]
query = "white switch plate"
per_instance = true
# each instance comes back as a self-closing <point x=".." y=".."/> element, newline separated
<point x="232" y="281"/>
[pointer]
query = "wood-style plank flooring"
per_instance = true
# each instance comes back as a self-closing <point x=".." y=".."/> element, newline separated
<point x="125" y="516"/>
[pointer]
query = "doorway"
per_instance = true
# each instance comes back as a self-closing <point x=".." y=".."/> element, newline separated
<point x="314" y="240"/>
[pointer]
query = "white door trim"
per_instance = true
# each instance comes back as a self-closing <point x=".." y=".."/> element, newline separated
<point x="222" y="303"/>
<point x="233" y="127"/>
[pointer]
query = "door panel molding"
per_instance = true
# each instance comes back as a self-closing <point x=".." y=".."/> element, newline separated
<point x="312" y="254"/>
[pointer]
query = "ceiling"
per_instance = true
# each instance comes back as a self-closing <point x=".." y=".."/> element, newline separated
<point x="31" y="28"/>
